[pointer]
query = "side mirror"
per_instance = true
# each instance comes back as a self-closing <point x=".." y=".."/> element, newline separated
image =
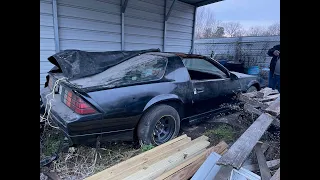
<point x="233" y="76"/>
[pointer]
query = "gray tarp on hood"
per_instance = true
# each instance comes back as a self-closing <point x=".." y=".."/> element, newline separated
<point x="75" y="64"/>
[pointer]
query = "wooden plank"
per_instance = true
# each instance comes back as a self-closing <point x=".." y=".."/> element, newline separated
<point x="253" y="102"/>
<point x="270" y="98"/>
<point x="269" y="103"/>
<point x="249" y="108"/>
<point x="265" y="147"/>
<point x="254" y="167"/>
<point x="143" y="157"/>
<point x="241" y="149"/>
<point x="274" y="108"/>
<point x="276" y="175"/>
<point x="251" y="94"/>
<point x="187" y="169"/>
<point x="153" y="171"/>
<point x="266" y="92"/>
<point x="264" y="170"/>
<point x="155" y="158"/>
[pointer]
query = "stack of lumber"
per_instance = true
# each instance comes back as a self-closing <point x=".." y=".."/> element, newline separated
<point x="179" y="159"/>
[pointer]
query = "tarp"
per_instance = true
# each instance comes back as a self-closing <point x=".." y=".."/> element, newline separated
<point x="75" y="64"/>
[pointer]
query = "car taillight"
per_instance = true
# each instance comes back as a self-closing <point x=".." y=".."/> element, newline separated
<point x="77" y="104"/>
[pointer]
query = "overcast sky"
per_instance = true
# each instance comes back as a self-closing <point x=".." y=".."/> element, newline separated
<point x="247" y="12"/>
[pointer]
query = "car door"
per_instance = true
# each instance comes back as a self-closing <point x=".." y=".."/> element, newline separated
<point x="211" y="85"/>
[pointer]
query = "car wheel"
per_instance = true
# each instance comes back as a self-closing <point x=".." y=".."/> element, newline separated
<point x="252" y="89"/>
<point x="158" y="125"/>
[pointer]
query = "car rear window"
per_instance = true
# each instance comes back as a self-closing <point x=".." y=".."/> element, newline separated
<point x="142" y="68"/>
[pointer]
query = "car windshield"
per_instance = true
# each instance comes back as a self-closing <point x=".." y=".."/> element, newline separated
<point x="142" y="68"/>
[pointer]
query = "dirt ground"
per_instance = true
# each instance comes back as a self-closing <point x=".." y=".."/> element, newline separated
<point x="82" y="161"/>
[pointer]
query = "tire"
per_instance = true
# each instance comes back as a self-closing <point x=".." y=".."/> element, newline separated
<point x="251" y="89"/>
<point x="159" y="120"/>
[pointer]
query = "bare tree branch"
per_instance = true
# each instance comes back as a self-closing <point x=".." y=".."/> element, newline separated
<point x="274" y="29"/>
<point x="233" y="29"/>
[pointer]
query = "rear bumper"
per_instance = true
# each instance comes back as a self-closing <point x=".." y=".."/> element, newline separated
<point x="90" y="138"/>
<point x="82" y="129"/>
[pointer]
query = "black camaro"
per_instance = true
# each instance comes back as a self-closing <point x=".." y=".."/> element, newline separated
<point x="144" y="95"/>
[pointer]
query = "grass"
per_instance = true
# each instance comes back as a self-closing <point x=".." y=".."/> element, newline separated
<point x="222" y="132"/>
<point x="145" y="148"/>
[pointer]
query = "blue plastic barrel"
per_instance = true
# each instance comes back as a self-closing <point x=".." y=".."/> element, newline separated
<point x="223" y="62"/>
<point x="253" y="70"/>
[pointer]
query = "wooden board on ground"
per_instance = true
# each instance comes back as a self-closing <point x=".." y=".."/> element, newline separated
<point x="241" y="149"/>
<point x="269" y="98"/>
<point x="187" y="169"/>
<point x="276" y="175"/>
<point x="153" y="171"/>
<point x="156" y="158"/>
<point x="266" y="92"/>
<point x="251" y="101"/>
<point x="274" y="108"/>
<point x="264" y="170"/>
<point x="271" y="164"/>
<point x="250" y="109"/>
<point x="141" y="158"/>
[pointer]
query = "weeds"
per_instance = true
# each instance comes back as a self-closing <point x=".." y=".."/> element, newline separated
<point x="222" y="132"/>
<point x="82" y="161"/>
<point x="146" y="147"/>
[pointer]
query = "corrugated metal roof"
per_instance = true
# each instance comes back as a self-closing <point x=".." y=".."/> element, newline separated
<point x="200" y="2"/>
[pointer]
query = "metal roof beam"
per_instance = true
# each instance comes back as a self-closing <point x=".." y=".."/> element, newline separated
<point x="205" y="2"/>
<point x="124" y="6"/>
<point x="168" y="14"/>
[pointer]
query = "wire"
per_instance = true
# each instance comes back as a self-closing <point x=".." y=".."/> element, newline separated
<point x="45" y="118"/>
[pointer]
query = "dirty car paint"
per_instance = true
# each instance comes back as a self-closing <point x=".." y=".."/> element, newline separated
<point x="124" y="92"/>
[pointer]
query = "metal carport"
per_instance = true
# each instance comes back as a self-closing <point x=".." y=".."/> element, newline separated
<point x="106" y="25"/>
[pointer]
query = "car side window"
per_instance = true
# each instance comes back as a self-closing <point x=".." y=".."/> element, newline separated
<point x="201" y="65"/>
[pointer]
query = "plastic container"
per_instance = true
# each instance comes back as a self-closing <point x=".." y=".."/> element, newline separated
<point x="223" y="62"/>
<point x="235" y="66"/>
<point x="253" y="70"/>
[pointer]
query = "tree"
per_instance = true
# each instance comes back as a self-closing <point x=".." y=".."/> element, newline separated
<point x="206" y="23"/>
<point x="233" y="29"/>
<point x="207" y="33"/>
<point x="219" y="32"/>
<point x="257" y="31"/>
<point x="274" y="29"/>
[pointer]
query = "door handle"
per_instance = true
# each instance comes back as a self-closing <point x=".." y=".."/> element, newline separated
<point x="200" y="90"/>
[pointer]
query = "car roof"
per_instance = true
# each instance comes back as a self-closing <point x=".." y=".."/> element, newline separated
<point x="172" y="54"/>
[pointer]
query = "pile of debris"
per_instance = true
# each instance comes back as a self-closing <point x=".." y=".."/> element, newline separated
<point x="177" y="159"/>
<point x="229" y="166"/>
